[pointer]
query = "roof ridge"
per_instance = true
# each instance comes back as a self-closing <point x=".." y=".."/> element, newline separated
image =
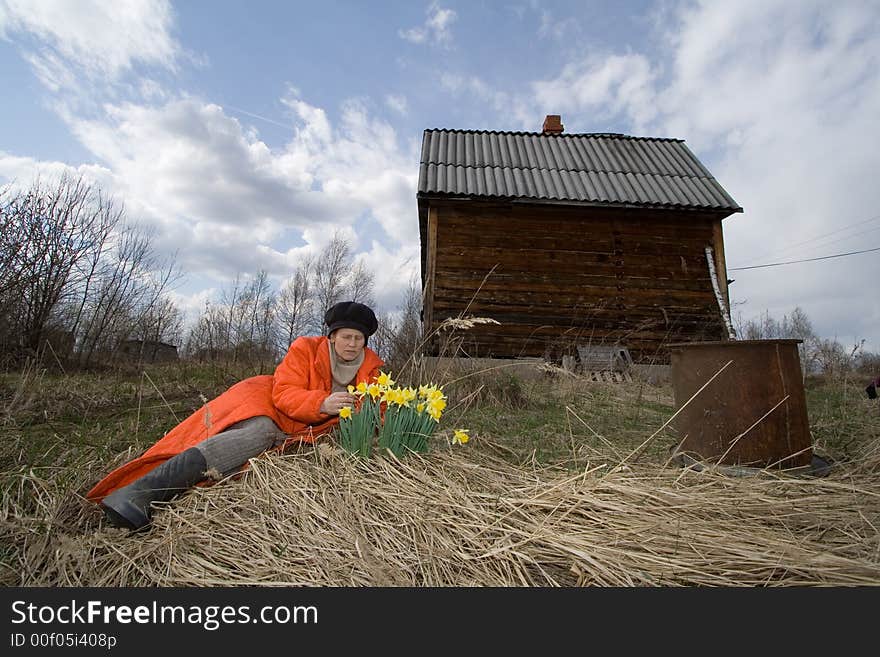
<point x="620" y="171"/>
<point x="571" y="201"/>
<point x="617" y="135"/>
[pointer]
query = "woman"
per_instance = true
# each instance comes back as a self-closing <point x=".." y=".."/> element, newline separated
<point x="300" y="401"/>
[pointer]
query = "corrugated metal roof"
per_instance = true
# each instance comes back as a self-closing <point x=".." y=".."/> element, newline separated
<point x="586" y="168"/>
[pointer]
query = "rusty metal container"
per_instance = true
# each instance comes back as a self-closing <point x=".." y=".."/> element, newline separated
<point x="753" y="413"/>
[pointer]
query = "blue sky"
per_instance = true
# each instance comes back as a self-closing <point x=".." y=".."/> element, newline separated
<point x="246" y="133"/>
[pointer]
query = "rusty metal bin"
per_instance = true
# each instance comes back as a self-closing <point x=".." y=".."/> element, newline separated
<point x="740" y="418"/>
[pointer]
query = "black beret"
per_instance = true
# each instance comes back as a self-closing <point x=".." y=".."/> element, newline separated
<point x="351" y="314"/>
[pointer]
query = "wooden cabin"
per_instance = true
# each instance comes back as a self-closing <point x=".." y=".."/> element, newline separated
<point x="569" y="240"/>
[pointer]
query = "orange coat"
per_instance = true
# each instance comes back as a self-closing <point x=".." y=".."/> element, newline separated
<point x="292" y="397"/>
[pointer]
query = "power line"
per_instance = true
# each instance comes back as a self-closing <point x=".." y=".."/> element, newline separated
<point x="819" y="238"/>
<point x="792" y="262"/>
<point x="837" y="241"/>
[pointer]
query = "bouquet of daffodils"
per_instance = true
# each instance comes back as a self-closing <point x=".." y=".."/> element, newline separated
<point x="403" y="419"/>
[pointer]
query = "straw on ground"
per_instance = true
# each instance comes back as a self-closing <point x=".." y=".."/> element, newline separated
<point x="455" y="518"/>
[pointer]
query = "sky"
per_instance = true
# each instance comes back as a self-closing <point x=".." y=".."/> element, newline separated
<point x="247" y="133"/>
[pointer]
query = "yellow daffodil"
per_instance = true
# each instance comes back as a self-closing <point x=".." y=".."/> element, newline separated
<point x="384" y="380"/>
<point x="412" y="416"/>
<point x="395" y="396"/>
<point x="435" y="409"/>
<point x="435" y="394"/>
<point x="460" y="437"/>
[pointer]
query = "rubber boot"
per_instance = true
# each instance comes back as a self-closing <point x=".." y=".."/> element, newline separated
<point x="130" y="506"/>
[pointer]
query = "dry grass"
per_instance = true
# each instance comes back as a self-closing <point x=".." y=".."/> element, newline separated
<point x="538" y="498"/>
<point x="461" y="517"/>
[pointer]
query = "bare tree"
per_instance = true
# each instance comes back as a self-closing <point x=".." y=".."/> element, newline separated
<point x="11" y="268"/>
<point x="382" y="341"/>
<point x="71" y="266"/>
<point x="867" y="362"/>
<point x="254" y="322"/>
<point x="255" y="331"/>
<point x="764" y="327"/>
<point x="50" y="234"/>
<point x="295" y="308"/>
<point x="795" y="326"/>
<point x="335" y="277"/>
<point x="239" y="328"/>
<point x="161" y="322"/>
<point x="207" y="339"/>
<point x="126" y="289"/>
<point x="360" y="284"/>
<point x="408" y="330"/>
<point x="229" y="310"/>
<point x="831" y="357"/>
<point x="331" y="268"/>
<point x="157" y="326"/>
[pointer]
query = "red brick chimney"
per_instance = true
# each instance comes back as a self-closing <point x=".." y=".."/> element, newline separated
<point x="553" y="125"/>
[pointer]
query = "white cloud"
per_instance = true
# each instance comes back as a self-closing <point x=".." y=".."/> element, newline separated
<point x="366" y="164"/>
<point x="151" y="90"/>
<point x="775" y="62"/>
<point x="602" y="88"/>
<point x="558" y="29"/>
<point x="19" y="172"/>
<point x="227" y="203"/>
<point x="781" y="100"/>
<point x="786" y="98"/>
<point x="414" y="35"/>
<point x="436" y="30"/>
<point x="397" y="104"/>
<point x="101" y="40"/>
<point x="193" y="305"/>
<point x="315" y="129"/>
<point x="393" y="270"/>
<point x="521" y="110"/>
<point x="219" y="192"/>
<point x="190" y="159"/>
<point x="51" y="70"/>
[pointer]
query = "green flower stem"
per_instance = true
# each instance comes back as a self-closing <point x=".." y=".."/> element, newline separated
<point x="405" y="429"/>
<point x="396" y="423"/>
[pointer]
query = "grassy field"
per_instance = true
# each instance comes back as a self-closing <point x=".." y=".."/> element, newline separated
<point x="59" y="433"/>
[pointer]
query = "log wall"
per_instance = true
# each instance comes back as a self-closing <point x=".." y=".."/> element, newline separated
<point x="555" y="277"/>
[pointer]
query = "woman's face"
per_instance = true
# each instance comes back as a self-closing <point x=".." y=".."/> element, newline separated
<point x="348" y="343"/>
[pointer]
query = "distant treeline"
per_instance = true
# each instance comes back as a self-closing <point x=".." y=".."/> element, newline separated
<point x="818" y="355"/>
<point x="81" y="286"/>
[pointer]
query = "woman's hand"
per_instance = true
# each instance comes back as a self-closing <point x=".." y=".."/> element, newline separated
<point x="332" y="404"/>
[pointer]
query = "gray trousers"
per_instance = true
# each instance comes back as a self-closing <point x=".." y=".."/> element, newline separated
<point x="230" y="449"/>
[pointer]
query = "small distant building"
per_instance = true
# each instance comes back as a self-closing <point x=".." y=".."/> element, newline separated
<point x="148" y="351"/>
<point x="569" y="240"/>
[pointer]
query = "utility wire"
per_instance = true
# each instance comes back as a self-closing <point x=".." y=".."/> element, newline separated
<point x="837" y="241"/>
<point x="819" y="238"/>
<point x="792" y="262"/>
